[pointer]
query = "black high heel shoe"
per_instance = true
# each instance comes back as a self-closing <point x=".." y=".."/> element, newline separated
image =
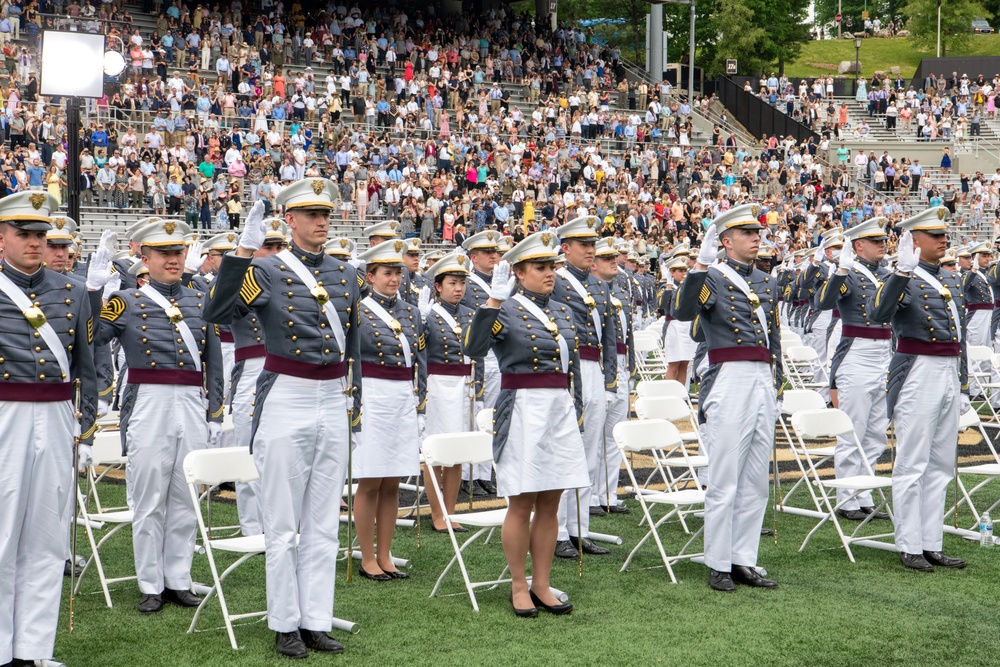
<point x="373" y="577"/>
<point x="557" y="609"/>
<point x="530" y="612"/>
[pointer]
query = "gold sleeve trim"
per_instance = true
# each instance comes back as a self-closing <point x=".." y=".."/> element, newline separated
<point x="90" y="431"/>
<point x="218" y="413"/>
<point x="703" y="296"/>
<point x="497" y="327"/>
<point x="113" y="309"/>
<point x="250" y="290"/>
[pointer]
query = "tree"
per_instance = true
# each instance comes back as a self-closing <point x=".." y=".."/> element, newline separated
<point x="739" y="36"/>
<point x="885" y="10"/>
<point x="762" y="34"/>
<point x="956" y="22"/>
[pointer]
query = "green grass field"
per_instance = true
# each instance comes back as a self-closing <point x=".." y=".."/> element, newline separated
<point x="827" y="611"/>
<point x="823" y="57"/>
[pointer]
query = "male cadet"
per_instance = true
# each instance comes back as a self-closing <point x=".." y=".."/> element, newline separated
<point x="625" y="273"/>
<point x="45" y="347"/>
<point x="737" y="308"/>
<point x="248" y="356"/>
<point x="648" y="288"/>
<point x="589" y="299"/>
<point x="978" y="298"/>
<point x="173" y="356"/>
<point x="123" y="264"/>
<point x="203" y="261"/>
<point x="381" y="231"/>
<point x="821" y="324"/>
<point x="483" y="254"/>
<point x="964" y="259"/>
<point x="605" y="492"/>
<point x="413" y="280"/>
<point x="927" y="390"/>
<point x="861" y="360"/>
<point x="307" y="302"/>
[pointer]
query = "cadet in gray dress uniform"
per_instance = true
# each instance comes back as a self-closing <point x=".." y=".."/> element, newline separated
<point x="736" y="307"/>
<point x="861" y="360"/>
<point x="307" y="304"/>
<point x="927" y="386"/>
<point x="46" y="345"/>
<point x="453" y="378"/>
<point x="588" y="298"/>
<point x="395" y="373"/>
<point x="173" y="358"/>
<point x="978" y="299"/>
<point x="413" y="281"/>
<point x="820" y="324"/>
<point x="536" y="439"/>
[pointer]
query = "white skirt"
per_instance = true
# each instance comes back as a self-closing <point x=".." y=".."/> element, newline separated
<point x="448" y="408"/>
<point x="678" y="344"/>
<point x="387" y="444"/>
<point x="544" y="449"/>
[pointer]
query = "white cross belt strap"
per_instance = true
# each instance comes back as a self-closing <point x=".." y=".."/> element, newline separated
<point x="741" y="284"/>
<point x="393" y="323"/>
<point x="479" y="281"/>
<point x="622" y="318"/>
<point x="321" y="296"/>
<point x="450" y="321"/>
<point x="174" y="313"/>
<point x="922" y="273"/>
<point x="587" y="299"/>
<point x="863" y="270"/>
<point x="35" y="315"/>
<point x="550" y="326"/>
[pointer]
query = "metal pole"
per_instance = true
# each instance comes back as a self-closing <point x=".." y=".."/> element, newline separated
<point x="73" y="163"/>
<point x="655" y="63"/>
<point x="939" y="30"/>
<point x="840" y="22"/>
<point x="857" y="70"/>
<point x="691" y="58"/>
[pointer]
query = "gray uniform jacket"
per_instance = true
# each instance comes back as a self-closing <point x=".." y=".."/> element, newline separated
<point x="593" y="346"/>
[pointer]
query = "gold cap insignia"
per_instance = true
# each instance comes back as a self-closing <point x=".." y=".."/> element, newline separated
<point x="37" y="199"/>
<point x="755" y="209"/>
<point x="59" y="223"/>
<point x="461" y="259"/>
<point x="591" y="222"/>
<point x="169" y="227"/>
<point x="344" y="243"/>
<point x="940" y="213"/>
<point x="393" y="225"/>
<point x="611" y="241"/>
<point x="415" y="242"/>
<point x="546" y="238"/>
<point x="230" y="237"/>
<point x="398" y="246"/>
<point x="276" y="225"/>
<point x="318" y="186"/>
<point x="491" y="236"/>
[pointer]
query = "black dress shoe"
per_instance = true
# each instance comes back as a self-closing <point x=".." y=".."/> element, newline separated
<point x="530" y="612"/>
<point x="616" y="509"/>
<point x="870" y="511"/>
<point x="487" y="486"/>
<point x="373" y="577"/>
<point x="748" y="576"/>
<point x="18" y="662"/>
<point x="150" y="604"/>
<point x="589" y="547"/>
<point x="477" y="490"/>
<point x="721" y="581"/>
<point x="597" y="510"/>
<point x="557" y="609"/>
<point x="852" y="515"/>
<point x="320" y="641"/>
<point x="69" y="569"/>
<point x="916" y="562"/>
<point x="397" y="574"/>
<point x="767" y="532"/>
<point x="181" y="598"/>
<point x="290" y="644"/>
<point x="565" y="549"/>
<point x="458" y="529"/>
<point x="941" y="560"/>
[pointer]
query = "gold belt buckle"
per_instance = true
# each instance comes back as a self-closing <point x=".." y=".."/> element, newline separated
<point x="552" y="328"/>
<point x="754" y="301"/>
<point x="174" y="313"/>
<point x="458" y="331"/>
<point x="35" y="316"/>
<point x="320" y="294"/>
<point x="396" y="327"/>
<point x="946" y="294"/>
<point x="589" y="300"/>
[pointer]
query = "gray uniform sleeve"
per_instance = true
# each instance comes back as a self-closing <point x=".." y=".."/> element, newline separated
<point x="82" y="369"/>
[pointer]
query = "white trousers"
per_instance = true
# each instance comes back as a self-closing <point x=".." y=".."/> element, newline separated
<point x="36" y="461"/>
<point x="861" y="392"/>
<point x="926" y="420"/>
<point x="739" y="430"/>
<point x="301" y="452"/>
<point x="247" y="494"/>
<point x="167" y="423"/>
<point x="611" y="460"/>
<point x="491" y="390"/>
<point x="816" y="339"/>
<point x="594" y="414"/>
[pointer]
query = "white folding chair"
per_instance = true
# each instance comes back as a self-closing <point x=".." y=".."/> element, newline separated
<point x="986" y="472"/>
<point x="643" y="436"/>
<point x="211" y="467"/>
<point x="651" y="388"/>
<point x="833" y="423"/>
<point x="457" y="449"/>
<point x="106" y="450"/>
<point x="650" y="363"/>
<point x="979" y="362"/>
<point x="673" y="409"/>
<point x="802" y="363"/>
<point x="790" y="339"/>
<point x="792" y="401"/>
<point x="112" y="459"/>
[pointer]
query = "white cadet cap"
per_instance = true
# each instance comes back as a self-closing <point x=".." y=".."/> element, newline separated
<point x="738" y="217"/>
<point x="387" y="254"/>
<point x="582" y="228"/>
<point x="538" y="247"/>
<point x="309" y="193"/>
<point x="163" y="235"/>
<point x="131" y="230"/>
<point x="223" y="242"/>
<point x="950" y="256"/>
<point x="413" y="247"/>
<point x="483" y="240"/>
<point x="931" y="221"/>
<point x="138" y="267"/>
<point x="606" y="247"/>
<point x="454" y="262"/>
<point x="832" y="239"/>
<point x="387" y="229"/>
<point x="62" y="231"/>
<point x="873" y="228"/>
<point x="28" y="211"/>
<point x="340" y="247"/>
<point x="275" y="229"/>
<point x="982" y="247"/>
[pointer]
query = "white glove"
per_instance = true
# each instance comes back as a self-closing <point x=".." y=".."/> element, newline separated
<point x="610" y="397"/>
<point x="99" y="270"/>
<point x="214" y="433"/>
<point x="425" y="303"/>
<point x="102" y="408"/>
<point x="964" y="404"/>
<point x="502" y="282"/>
<point x="193" y="261"/>
<point x="86" y="457"/>
<point x="909" y="256"/>
<point x="818" y="255"/>
<point x="845" y="263"/>
<point x="114" y="284"/>
<point x="709" y="247"/>
<point x="254" y="232"/>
